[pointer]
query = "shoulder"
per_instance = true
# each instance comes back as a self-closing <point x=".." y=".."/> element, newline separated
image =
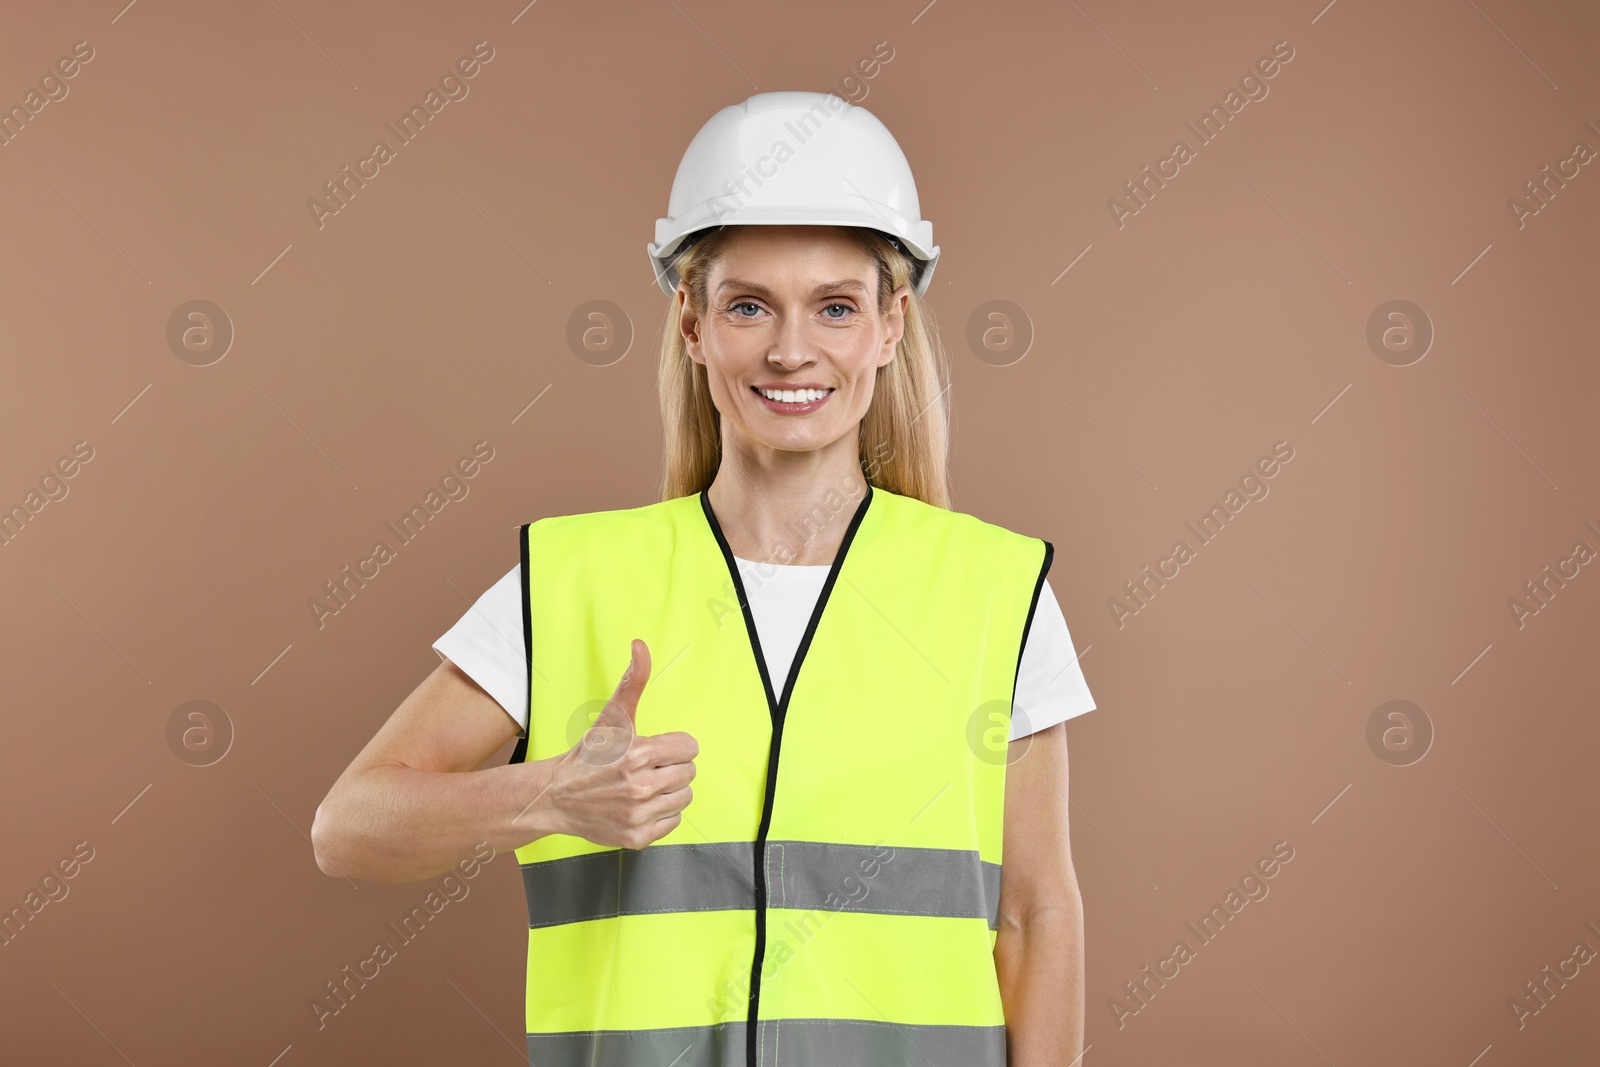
<point x="634" y="521"/>
<point x="912" y="512"/>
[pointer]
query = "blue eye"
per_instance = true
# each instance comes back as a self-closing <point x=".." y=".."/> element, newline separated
<point x="744" y="304"/>
<point x="839" y="304"/>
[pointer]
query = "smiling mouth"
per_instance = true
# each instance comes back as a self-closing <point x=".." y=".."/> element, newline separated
<point x="792" y="401"/>
<point x="792" y="396"/>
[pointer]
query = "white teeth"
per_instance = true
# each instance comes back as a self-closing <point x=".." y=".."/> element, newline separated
<point x="794" y="396"/>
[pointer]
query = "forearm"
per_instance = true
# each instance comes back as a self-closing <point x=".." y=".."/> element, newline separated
<point x="1039" y="960"/>
<point x="399" y="824"/>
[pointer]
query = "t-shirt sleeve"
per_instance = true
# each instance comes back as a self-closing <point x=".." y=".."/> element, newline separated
<point x="486" y="643"/>
<point x="1050" y="685"/>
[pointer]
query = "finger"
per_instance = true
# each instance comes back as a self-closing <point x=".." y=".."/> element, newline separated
<point x="671" y="748"/>
<point x="629" y="689"/>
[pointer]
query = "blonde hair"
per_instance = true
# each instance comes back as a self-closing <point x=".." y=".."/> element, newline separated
<point x="905" y="434"/>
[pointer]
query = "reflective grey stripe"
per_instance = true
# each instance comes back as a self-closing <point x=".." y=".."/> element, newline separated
<point x="800" y="874"/>
<point x="883" y="879"/>
<point x="656" y="878"/>
<point x="784" y="1043"/>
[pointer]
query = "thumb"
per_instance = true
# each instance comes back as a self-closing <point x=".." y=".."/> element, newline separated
<point x="613" y="730"/>
<point x="616" y="717"/>
<point x="626" y="698"/>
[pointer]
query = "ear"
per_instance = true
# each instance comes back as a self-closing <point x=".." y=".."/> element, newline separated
<point x="688" y="325"/>
<point x="899" y="304"/>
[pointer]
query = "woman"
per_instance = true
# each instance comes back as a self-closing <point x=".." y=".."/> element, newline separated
<point x="829" y="890"/>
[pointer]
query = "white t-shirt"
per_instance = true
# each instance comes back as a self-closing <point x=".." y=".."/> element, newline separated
<point x="486" y="643"/>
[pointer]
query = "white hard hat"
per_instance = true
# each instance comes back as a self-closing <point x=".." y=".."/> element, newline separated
<point x="794" y="158"/>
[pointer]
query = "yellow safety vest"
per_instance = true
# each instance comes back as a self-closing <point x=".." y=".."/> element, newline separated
<point x="831" y="895"/>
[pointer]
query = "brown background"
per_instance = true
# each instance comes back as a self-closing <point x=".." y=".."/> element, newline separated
<point x="1229" y="314"/>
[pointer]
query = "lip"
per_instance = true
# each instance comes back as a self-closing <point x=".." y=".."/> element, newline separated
<point x="781" y="408"/>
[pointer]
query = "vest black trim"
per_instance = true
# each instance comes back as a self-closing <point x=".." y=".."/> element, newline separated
<point x="1027" y="625"/>
<point x="777" y="707"/>
<point x="521" y="751"/>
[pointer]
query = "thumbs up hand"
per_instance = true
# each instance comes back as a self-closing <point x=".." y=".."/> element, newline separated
<point x="617" y="788"/>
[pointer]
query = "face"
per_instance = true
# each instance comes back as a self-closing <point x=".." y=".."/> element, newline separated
<point x="793" y="308"/>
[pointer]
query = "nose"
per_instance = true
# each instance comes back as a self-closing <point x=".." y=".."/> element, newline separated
<point x="789" y="344"/>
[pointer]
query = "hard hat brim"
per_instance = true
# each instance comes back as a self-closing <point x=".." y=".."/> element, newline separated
<point x="918" y="242"/>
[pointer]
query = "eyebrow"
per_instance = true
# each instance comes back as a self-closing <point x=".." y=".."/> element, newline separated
<point x="848" y="284"/>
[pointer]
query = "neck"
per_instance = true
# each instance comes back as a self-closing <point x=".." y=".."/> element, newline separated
<point x="788" y="508"/>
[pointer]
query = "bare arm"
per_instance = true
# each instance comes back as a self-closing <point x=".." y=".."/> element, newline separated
<point x="1039" y="949"/>
<point x="412" y="805"/>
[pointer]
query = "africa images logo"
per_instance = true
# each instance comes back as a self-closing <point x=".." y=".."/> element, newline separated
<point x="453" y="87"/>
<point x="1252" y="84"/>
